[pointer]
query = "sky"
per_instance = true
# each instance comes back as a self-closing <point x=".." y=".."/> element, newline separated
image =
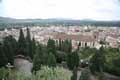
<point x="67" y="9"/>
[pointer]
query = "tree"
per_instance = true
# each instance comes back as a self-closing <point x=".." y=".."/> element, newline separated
<point x="97" y="61"/>
<point x="70" y="46"/>
<point x="33" y="48"/>
<point x="28" y="37"/>
<point x="60" y="44"/>
<point x="29" y="44"/>
<point x="40" y="57"/>
<point x="22" y="42"/>
<point x="72" y="60"/>
<point x="9" y="48"/>
<point x="48" y="73"/>
<point x="37" y="59"/>
<point x="67" y="46"/>
<point x="3" y="58"/>
<point x="79" y="45"/>
<point x="51" y="46"/>
<point x="51" y="61"/>
<point x="3" y="73"/>
<point x="85" y="75"/>
<point x="74" y="76"/>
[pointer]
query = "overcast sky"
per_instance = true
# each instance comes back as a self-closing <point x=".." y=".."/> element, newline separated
<point x="70" y="9"/>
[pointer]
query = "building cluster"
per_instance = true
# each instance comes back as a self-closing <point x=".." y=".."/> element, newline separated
<point x="84" y="36"/>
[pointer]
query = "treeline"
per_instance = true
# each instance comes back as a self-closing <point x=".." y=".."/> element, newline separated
<point x="55" y="22"/>
<point x="10" y="47"/>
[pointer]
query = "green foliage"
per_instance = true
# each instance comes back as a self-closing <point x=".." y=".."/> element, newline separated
<point x="66" y="46"/>
<point x="60" y="44"/>
<point x="3" y="57"/>
<point x="74" y="76"/>
<point x="33" y="49"/>
<point x="86" y="52"/>
<point x="9" y="48"/>
<point x="28" y="37"/>
<point x="51" y="45"/>
<point x="22" y="42"/>
<point x="72" y="60"/>
<point x="97" y="61"/>
<point x="57" y="73"/>
<point x="112" y="61"/>
<point x="3" y="73"/>
<point x="46" y="73"/>
<point x="37" y="58"/>
<point x="51" y="60"/>
<point x="85" y="75"/>
<point x="29" y="45"/>
<point x="43" y="57"/>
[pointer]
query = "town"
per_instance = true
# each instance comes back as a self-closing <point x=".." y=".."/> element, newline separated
<point x="73" y="50"/>
<point x="59" y="39"/>
<point x="86" y="36"/>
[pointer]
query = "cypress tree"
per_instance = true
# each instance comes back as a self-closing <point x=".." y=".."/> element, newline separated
<point x="37" y="59"/>
<point x="97" y="61"/>
<point x="29" y="44"/>
<point x="28" y="36"/>
<point x="3" y="58"/>
<point x="51" y="46"/>
<point x="74" y="76"/>
<point x="21" y="40"/>
<point x="40" y="57"/>
<point x="72" y="60"/>
<point x="60" y="44"/>
<point x="33" y="48"/>
<point x="70" y="46"/>
<point x="9" y="47"/>
<point x="85" y="75"/>
<point x="51" y="61"/>
<point x="67" y="46"/>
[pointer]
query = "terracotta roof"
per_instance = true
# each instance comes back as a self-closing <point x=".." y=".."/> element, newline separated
<point x="84" y="38"/>
<point x="114" y="35"/>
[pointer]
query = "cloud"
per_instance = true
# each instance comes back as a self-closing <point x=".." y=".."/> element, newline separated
<point x="0" y="1"/>
<point x="76" y="9"/>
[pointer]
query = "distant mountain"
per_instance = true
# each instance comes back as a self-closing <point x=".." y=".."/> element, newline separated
<point x="60" y="21"/>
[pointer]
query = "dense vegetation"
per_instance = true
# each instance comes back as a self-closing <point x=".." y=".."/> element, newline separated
<point x="54" y="54"/>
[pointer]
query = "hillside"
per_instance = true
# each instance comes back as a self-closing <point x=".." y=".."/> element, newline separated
<point x="4" y="20"/>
